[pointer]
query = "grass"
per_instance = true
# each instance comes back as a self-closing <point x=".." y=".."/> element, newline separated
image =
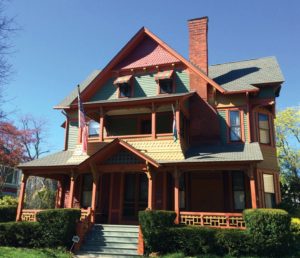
<point x="12" y="252"/>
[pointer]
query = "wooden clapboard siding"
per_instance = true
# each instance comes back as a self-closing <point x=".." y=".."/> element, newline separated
<point x="73" y="135"/>
<point x="270" y="158"/>
<point x="223" y="125"/>
<point x="230" y="100"/>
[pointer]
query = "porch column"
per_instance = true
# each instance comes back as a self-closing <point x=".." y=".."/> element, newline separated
<point x="150" y="177"/>
<point x="72" y="190"/>
<point x="101" y="125"/>
<point x="59" y="195"/>
<point x="153" y="122"/>
<point x="21" y="197"/>
<point x="176" y="175"/>
<point x="252" y="187"/>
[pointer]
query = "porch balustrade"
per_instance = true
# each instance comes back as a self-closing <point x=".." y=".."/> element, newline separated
<point x="212" y="219"/>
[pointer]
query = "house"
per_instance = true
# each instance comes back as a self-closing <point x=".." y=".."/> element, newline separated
<point x="9" y="181"/>
<point x="166" y="132"/>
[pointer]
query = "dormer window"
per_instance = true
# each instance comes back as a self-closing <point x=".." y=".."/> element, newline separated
<point x="125" y="89"/>
<point x="165" y="82"/>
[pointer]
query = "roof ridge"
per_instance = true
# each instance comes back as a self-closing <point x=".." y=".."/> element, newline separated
<point x="246" y="60"/>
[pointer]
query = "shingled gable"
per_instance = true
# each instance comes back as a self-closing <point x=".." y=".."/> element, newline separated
<point x="111" y="148"/>
<point x="101" y="76"/>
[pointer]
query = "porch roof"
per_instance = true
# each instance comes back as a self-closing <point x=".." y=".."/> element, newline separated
<point x="221" y="153"/>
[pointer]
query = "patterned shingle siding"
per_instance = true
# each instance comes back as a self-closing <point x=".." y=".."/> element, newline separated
<point x="73" y="135"/>
<point x="124" y="157"/>
<point x="144" y="86"/>
<point x="223" y="125"/>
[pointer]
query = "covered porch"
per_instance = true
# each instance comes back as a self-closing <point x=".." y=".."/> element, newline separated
<point x="118" y="180"/>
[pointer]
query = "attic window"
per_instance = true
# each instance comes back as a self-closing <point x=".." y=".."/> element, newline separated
<point x="165" y="81"/>
<point x="124" y="84"/>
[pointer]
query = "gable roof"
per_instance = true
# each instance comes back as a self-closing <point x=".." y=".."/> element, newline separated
<point x="95" y="79"/>
<point x="246" y="75"/>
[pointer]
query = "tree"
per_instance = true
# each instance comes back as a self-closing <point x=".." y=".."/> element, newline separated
<point x="287" y="125"/>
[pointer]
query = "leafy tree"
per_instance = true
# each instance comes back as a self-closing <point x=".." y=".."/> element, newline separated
<point x="287" y="125"/>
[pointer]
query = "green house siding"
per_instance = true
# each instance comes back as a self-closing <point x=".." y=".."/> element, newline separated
<point x="223" y="125"/>
<point x="73" y="135"/>
<point x="144" y="86"/>
<point x="266" y="93"/>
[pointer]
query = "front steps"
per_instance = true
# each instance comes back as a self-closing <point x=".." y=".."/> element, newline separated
<point x="106" y="240"/>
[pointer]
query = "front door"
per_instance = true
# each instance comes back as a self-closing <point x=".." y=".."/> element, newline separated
<point x="135" y="195"/>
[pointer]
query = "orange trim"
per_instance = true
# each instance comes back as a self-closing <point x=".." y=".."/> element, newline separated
<point x="71" y="192"/>
<point x="21" y="197"/>
<point x="176" y="199"/>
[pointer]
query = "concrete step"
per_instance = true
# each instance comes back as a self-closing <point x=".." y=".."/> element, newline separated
<point x="115" y="228"/>
<point x="117" y="238"/>
<point x="94" y="245"/>
<point x="110" y="250"/>
<point x="112" y="234"/>
<point x="99" y="255"/>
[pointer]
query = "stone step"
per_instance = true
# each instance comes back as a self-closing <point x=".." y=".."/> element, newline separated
<point x="99" y="255"/>
<point x="101" y="228"/>
<point x="95" y="245"/>
<point x="113" y="233"/>
<point x="116" y="238"/>
<point x="110" y="250"/>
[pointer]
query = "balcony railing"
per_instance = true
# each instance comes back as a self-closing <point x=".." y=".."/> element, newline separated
<point x="212" y="219"/>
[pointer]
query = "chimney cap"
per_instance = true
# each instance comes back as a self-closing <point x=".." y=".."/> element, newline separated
<point x="200" y="18"/>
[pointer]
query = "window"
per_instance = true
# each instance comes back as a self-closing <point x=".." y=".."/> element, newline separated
<point x="165" y="86"/>
<point x="264" y="129"/>
<point x="269" y="190"/>
<point x="124" y="90"/>
<point x="235" y="125"/>
<point x="87" y="191"/>
<point x="238" y="187"/>
<point x="93" y="128"/>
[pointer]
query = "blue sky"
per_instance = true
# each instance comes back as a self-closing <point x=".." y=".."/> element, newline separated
<point x="62" y="41"/>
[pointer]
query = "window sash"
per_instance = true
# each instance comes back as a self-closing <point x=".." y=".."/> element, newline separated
<point x="268" y="183"/>
<point x="165" y="86"/>
<point x="235" y="125"/>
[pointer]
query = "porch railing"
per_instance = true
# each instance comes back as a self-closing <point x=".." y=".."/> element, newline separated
<point x="212" y="219"/>
<point x="30" y="215"/>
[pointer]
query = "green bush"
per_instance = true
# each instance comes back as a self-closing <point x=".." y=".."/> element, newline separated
<point x="20" y="234"/>
<point x="8" y="213"/>
<point x="234" y="242"/>
<point x="154" y="225"/>
<point x="295" y="229"/>
<point x="269" y="230"/>
<point x="192" y="240"/>
<point x="8" y="200"/>
<point x="58" y="226"/>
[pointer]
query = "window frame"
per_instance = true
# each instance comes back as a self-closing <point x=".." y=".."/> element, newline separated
<point x="273" y="195"/>
<point x="242" y="125"/>
<point x="269" y="129"/>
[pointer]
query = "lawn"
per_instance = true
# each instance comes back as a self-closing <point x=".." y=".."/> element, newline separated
<point x="11" y="252"/>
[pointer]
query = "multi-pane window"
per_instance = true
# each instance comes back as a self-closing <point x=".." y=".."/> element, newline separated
<point x="87" y="191"/>
<point x="235" y="125"/>
<point x="269" y="190"/>
<point x="165" y="86"/>
<point x="93" y="128"/>
<point x="125" y="90"/>
<point x="238" y="187"/>
<point x="264" y="128"/>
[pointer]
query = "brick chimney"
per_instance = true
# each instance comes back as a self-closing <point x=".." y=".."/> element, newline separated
<point x="198" y="51"/>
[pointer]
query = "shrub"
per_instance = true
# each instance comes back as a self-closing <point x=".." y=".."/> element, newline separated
<point x="58" y="226"/>
<point x="192" y="240"/>
<point x="154" y="225"/>
<point x="234" y="242"/>
<point x="20" y="234"/>
<point x="295" y="230"/>
<point x="8" y="213"/>
<point x="8" y="200"/>
<point x="269" y="230"/>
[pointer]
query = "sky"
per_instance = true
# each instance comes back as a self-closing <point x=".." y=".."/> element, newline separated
<point x="59" y="42"/>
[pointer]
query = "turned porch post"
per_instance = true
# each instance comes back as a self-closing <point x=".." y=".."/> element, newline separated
<point x="153" y="122"/>
<point x="252" y="187"/>
<point x="176" y="176"/>
<point x="72" y="190"/>
<point x="21" y="197"/>
<point x="59" y="195"/>
<point x="151" y="193"/>
<point x="95" y="174"/>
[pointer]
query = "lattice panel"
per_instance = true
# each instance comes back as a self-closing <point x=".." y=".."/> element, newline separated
<point x="28" y="216"/>
<point x="212" y="220"/>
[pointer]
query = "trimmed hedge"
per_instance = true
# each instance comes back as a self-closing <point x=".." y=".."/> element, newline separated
<point x="20" y="234"/>
<point x="58" y="226"/>
<point x="54" y="228"/>
<point x="8" y="213"/>
<point x="155" y="226"/>
<point x="269" y="230"/>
